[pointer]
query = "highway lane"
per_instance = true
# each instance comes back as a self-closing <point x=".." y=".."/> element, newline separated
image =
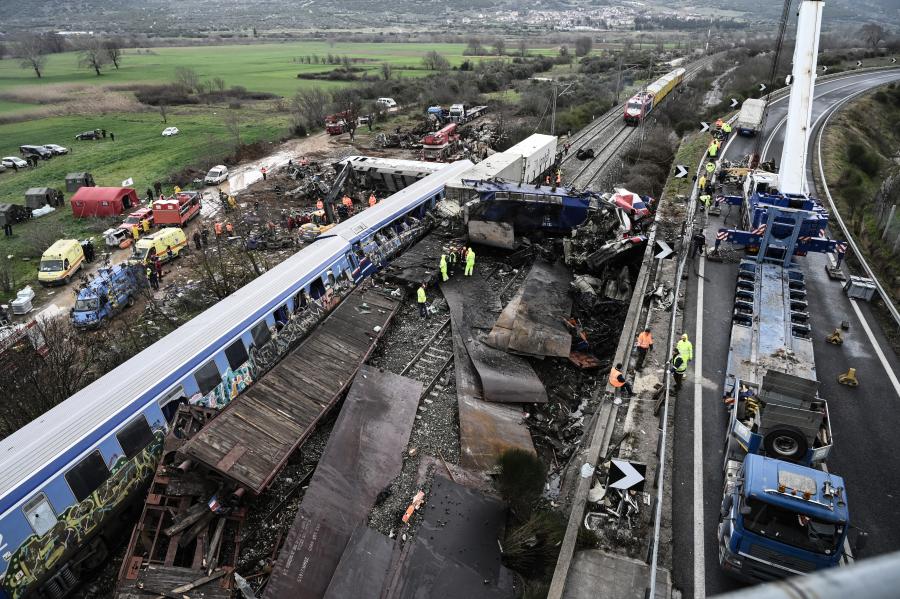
<point x="863" y="420"/>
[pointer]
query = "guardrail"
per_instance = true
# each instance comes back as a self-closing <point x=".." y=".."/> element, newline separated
<point x="888" y="302"/>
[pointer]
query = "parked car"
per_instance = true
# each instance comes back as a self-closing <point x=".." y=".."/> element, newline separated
<point x="56" y="150"/>
<point x="216" y="175"/>
<point x="170" y="131"/>
<point x="2" y="168"/>
<point x="36" y="151"/>
<point x="95" y="134"/>
<point x="11" y="161"/>
<point x="388" y="104"/>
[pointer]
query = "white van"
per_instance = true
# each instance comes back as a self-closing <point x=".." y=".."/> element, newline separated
<point x="216" y="175"/>
<point x="388" y="104"/>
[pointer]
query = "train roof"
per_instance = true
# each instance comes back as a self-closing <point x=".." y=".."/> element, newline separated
<point x="394" y="165"/>
<point x="354" y="228"/>
<point x="47" y="443"/>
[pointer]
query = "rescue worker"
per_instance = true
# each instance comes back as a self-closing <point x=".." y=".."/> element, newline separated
<point x="580" y="342"/>
<point x="177" y="189"/>
<point x="218" y="229"/>
<point x="423" y="301"/>
<point x="726" y="129"/>
<point x="644" y="345"/>
<point x="451" y="259"/>
<point x="372" y="200"/>
<point x="149" y="196"/>
<point x="152" y="278"/>
<point x="706" y="201"/>
<point x="685" y="348"/>
<point x="678" y="368"/>
<point x="701" y="184"/>
<point x="204" y="236"/>
<point x="264" y="172"/>
<point x="198" y="241"/>
<point x="229" y="228"/>
<point x="470" y="262"/>
<point x="558" y="177"/>
<point x="232" y="202"/>
<point x="135" y="232"/>
<point x="348" y="203"/>
<point x="547" y="180"/>
<point x="712" y="149"/>
<point x="443" y="266"/>
<point x="145" y="224"/>
<point x="699" y="244"/>
<point x="710" y="169"/>
<point x="320" y="205"/>
<point x="618" y="380"/>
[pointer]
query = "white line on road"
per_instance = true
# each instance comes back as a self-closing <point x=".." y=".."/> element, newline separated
<point x="699" y="544"/>
<point x="877" y="347"/>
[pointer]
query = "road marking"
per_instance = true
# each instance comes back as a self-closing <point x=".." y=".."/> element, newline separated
<point x="699" y="544"/>
<point x="877" y="347"/>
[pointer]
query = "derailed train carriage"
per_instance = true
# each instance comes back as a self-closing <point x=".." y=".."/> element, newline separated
<point x="69" y="479"/>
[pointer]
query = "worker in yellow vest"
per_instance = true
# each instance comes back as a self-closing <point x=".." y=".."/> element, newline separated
<point x="443" y="266"/>
<point x="135" y="232"/>
<point x="470" y="262"/>
<point x="685" y="348"/>
<point x="712" y="149"/>
<point x="702" y="183"/>
<point x="618" y="380"/>
<point x="423" y="301"/>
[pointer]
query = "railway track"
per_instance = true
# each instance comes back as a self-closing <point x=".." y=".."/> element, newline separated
<point x="606" y="135"/>
<point x="435" y="355"/>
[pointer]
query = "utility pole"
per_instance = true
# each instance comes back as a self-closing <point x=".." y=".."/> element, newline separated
<point x="553" y="114"/>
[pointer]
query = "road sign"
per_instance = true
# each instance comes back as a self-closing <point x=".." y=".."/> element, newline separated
<point x="625" y="475"/>
<point x="734" y="103"/>
<point x="664" y="250"/>
<point x="858" y="63"/>
<point x="824" y="67"/>
<point x="893" y="60"/>
<point x="682" y="171"/>
<point x="762" y="87"/>
<point x="704" y="127"/>
<point x="789" y="79"/>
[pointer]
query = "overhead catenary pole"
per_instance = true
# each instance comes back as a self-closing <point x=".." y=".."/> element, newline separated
<point x="794" y="154"/>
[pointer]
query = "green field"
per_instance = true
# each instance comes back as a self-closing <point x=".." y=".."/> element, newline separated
<point x="265" y="67"/>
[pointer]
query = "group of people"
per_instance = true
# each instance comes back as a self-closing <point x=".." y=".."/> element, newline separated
<point x="682" y="354"/>
<point x="450" y="260"/>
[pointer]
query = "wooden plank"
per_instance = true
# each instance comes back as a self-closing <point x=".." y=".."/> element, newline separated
<point x="274" y="416"/>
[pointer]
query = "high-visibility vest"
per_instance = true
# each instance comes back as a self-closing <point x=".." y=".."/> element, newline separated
<point x="346" y="201"/>
<point x="135" y="232"/>
<point x="421" y="295"/>
<point x="685" y="348"/>
<point x="614" y="378"/>
<point x="703" y="181"/>
<point x="644" y="340"/>
<point x="470" y="257"/>
<point x="679" y="364"/>
<point x="218" y="227"/>
<point x="443" y="264"/>
<point x="710" y="167"/>
<point x="712" y="150"/>
<point x="320" y="205"/>
<point x="229" y="227"/>
<point x="372" y="200"/>
<point x="726" y="128"/>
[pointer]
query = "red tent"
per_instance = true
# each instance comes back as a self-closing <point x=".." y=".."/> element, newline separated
<point x="103" y="201"/>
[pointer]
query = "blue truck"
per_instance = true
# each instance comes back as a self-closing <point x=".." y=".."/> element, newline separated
<point x="110" y="291"/>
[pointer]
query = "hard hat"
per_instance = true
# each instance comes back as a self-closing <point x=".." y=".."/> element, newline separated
<point x="684" y="336"/>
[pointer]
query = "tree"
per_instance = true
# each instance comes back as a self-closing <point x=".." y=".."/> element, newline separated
<point x="523" y="47"/>
<point x="232" y="122"/>
<point x="164" y="112"/>
<point x="474" y="48"/>
<point x="218" y="84"/>
<point x="872" y="33"/>
<point x="30" y="48"/>
<point x="564" y="50"/>
<point x="309" y="107"/>
<point x="2" y="50"/>
<point x="500" y="46"/>
<point x="113" y="48"/>
<point x="583" y="45"/>
<point x="93" y="55"/>
<point x="186" y="78"/>
<point x="386" y="70"/>
<point x="435" y="62"/>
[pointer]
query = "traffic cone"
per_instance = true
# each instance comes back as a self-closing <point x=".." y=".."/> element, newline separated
<point x="849" y="378"/>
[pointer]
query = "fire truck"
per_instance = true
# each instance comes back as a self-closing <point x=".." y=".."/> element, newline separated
<point x="176" y="210"/>
<point x="436" y="147"/>
<point x="337" y="123"/>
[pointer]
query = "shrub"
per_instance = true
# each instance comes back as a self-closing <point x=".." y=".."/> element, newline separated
<point x="864" y="159"/>
<point x="521" y="480"/>
<point x="532" y="548"/>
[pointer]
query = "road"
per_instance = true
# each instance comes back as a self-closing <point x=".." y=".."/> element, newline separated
<point x="862" y="419"/>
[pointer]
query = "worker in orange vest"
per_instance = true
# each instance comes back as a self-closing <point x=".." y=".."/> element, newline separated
<point x="218" y="228"/>
<point x="618" y="381"/>
<point x="229" y="228"/>
<point x="264" y="172"/>
<point x="644" y="345"/>
<point x="558" y="177"/>
<point x="372" y="200"/>
<point x="320" y="205"/>
<point x="547" y="180"/>
<point x="346" y="201"/>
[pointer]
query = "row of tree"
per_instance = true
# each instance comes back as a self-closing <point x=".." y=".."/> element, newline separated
<point x="95" y="53"/>
<point x="475" y="47"/>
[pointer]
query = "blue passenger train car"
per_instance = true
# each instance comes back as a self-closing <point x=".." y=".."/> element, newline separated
<point x="68" y="479"/>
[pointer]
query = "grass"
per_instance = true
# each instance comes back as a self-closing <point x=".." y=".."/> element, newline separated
<point x="691" y="150"/>
<point x="263" y="67"/>
<point x="139" y="152"/>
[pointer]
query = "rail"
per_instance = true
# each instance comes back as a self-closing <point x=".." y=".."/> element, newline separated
<point x="888" y="302"/>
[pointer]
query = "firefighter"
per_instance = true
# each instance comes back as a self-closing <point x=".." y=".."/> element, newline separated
<point x="443" y="267"/>
<point x="685" y="348"/>
<point x="135" y="232"/>
<point x="644" y="346"/>
<point x="618" y="380"/>
<point x="218" y="229"/>
<point x="145" y="224"/>
<point x="558" y="177"/>
<point x="422" y="301"/>
<point x="470" y="262"/>
<point x="198" y="240"/>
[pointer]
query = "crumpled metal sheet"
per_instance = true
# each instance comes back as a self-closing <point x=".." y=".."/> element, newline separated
<point x="533" y="322"/>
<point x="504" y="377"/>
<point x="364" y="454"/>
<point x="364" y="566"/>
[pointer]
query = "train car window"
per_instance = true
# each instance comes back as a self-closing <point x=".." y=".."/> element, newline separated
<point x="40" y="514"/>
<point x="281" y="314"/>
<point x="236" y="354"/>
<point x="301" y="300"/>
<point x="208" y="377"/>
<point x="261" y="333"/>
<point x="135" y="437"/>
<point x="169" y="403"/>
<point x="316" y="288"/>
<point x="87" y="475"/>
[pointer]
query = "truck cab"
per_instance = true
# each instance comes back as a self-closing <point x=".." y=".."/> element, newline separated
<point x="166" y="243"/>
<point x="136" y="218"/>
<point x="107" y="294"/>
<point x="780" y="519"/>
<point x="60" y="262"/>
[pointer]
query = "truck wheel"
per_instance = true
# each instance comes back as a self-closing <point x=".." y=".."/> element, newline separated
<point x="786" y="443"/>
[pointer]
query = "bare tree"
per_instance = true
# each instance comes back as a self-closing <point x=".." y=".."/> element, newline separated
<point x="232" y="122"/>
<point x="93" y="55"/>
<point x="386" y="70"/>
<point x="500" y="46"/>
<point x="872" y="33"/>
<point x="310" y="106"/>
<point x="186" y="78"/>
<point x="583" y="45"/>
<point x="164" y="112"/>
<point x="435" y="62"/>
<point x="2" y="50"/>
<point x="113" y="48"/>
<point x="218" y="84"/>
<point x="523" y="47"/>
<point x="30" y="49"/>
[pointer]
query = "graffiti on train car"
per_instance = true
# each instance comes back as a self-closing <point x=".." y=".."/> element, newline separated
<point x="233" y="384"/>
<point x="38" y="555"/>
